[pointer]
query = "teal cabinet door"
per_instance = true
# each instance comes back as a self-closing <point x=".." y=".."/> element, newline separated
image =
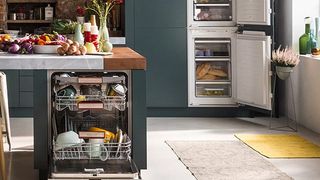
<point x="166" y="53"/>
<point x="13" y="87"/>
<point x="160" y="13"/>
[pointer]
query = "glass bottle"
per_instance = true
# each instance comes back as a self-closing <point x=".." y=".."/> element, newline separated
<point x="78" y="34"/>
<point x="305" y="39"/>
<point x="317" y="20"/>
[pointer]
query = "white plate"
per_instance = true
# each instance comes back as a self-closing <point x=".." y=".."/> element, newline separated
<point x="45" y="49"/>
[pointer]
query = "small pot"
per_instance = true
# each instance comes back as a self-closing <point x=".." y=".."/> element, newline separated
<point x="283" y="72"/>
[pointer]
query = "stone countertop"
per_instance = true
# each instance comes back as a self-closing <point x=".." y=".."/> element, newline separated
<point x="49" y="61"/>
<point x="123" y="58"/>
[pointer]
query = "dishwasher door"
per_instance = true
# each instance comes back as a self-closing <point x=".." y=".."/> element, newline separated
<point x="95" y="169"/>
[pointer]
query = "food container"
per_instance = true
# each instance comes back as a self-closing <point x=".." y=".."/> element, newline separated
<point x="13" y="16"/>
<point x="117" y="90"/>
<point x="13" y="33"/>
<point x="45" y="49"/>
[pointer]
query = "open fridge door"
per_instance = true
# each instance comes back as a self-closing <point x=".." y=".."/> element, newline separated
<point x="254" y="12"/>
<point x="253" y="70"/>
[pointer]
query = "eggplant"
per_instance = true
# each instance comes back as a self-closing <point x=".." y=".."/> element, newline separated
<point x="14" y="49"/>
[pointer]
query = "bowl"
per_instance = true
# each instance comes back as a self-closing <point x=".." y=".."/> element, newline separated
<point x="13" y="33"/>
<point x="67" y="139"/>
<point x="45" y="49"/>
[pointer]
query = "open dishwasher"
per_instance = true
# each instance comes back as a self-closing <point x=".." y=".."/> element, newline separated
<point x="90" y="133"/>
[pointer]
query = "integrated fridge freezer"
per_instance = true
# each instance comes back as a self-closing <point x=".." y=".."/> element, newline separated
<point x="230" y="64"/>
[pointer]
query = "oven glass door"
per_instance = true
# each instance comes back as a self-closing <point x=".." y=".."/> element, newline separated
<point x="212" y="10"/>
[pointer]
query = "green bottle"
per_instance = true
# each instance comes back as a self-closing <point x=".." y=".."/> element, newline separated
<point x="305" y="41"/>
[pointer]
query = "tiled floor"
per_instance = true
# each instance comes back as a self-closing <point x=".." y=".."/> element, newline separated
<point x="162" y="162"/>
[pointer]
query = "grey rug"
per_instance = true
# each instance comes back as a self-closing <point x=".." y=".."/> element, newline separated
<point x="222" y="160"/>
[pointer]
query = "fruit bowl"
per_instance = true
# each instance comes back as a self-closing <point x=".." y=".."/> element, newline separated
<point x="45" y="49"/>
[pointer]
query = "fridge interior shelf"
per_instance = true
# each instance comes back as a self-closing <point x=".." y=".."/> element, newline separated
<point x="213" y="83"/>
<point x="90" y="151"/>
<point x="212" y="5"/>
<point x="75" y="103"/>
<point x="208" y="58"/>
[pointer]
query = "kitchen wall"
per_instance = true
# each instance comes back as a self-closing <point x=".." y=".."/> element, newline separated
<point x="305" y="78"/>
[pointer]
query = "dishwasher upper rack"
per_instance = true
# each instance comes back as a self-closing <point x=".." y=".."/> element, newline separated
<point x="88" y="80"/>
<point x="89" y="151"/>
<point x="104" y="102"/>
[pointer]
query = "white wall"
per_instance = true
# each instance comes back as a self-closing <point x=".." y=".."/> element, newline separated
<point x="306" y="77"/>
<point x="302" y="9"/>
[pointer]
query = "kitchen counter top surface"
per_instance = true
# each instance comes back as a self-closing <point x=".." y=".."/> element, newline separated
<point x="123" y="58"/>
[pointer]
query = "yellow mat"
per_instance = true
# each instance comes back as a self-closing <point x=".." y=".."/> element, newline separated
<point x="281" y="145"/>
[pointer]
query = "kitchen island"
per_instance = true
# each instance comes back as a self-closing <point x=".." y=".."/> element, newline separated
<point x="122" y="59"/>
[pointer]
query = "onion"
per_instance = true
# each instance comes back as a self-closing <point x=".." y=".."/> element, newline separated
<point x="14" y="48"/>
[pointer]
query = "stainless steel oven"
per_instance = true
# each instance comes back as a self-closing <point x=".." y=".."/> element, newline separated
<point x="91" y="126"/>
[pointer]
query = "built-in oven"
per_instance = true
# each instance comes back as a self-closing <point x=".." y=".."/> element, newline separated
<point x="91" y="126"/>
<point x="211" y="13"/>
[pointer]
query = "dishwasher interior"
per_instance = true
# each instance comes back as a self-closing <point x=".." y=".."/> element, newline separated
<point x="90" y="126"/>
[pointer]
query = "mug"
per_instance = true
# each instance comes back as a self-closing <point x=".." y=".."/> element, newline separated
<point x="67" y="91"/>
<point x="96" y="149"/>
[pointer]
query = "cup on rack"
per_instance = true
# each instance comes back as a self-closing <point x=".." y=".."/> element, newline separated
<point x="97" y="149"/>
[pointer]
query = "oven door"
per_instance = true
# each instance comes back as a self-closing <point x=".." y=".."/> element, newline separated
<point x="208" y="13"/>
<point x="94" y="169"/>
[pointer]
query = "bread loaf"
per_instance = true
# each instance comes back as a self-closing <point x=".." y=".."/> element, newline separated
<point x="202" y="70"/>
<point x="218" y="72"/>
<point x="209" y="77"/>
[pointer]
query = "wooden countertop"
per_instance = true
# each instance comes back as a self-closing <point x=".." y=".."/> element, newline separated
<point x="124" y="58"/>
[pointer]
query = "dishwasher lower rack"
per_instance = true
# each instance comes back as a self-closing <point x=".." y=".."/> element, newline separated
<point x="93" y="151"/>
<point x="74" y="103"/>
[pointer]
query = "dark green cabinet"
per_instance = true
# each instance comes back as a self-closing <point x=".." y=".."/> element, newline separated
<point x="20" y="92"/>
<point x="160" y="13"/>
<point x="160" y="34"/>
<point x="165" y="50"/>
<point x="13" y="87"/>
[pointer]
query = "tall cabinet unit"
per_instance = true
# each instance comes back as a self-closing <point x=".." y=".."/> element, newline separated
<point x="160" y="35"/>
<point x="229" y="59"/>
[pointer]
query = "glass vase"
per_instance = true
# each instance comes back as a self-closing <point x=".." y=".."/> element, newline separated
<point x="104" y="43"/>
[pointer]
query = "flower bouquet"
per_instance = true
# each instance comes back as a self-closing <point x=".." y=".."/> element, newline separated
<point x="285" y="60"/>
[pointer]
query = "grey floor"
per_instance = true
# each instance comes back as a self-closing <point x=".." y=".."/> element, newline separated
<point x="162" y="162"/>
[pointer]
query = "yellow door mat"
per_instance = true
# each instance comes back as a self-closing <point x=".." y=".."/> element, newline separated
<point x="281" y="145"/>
